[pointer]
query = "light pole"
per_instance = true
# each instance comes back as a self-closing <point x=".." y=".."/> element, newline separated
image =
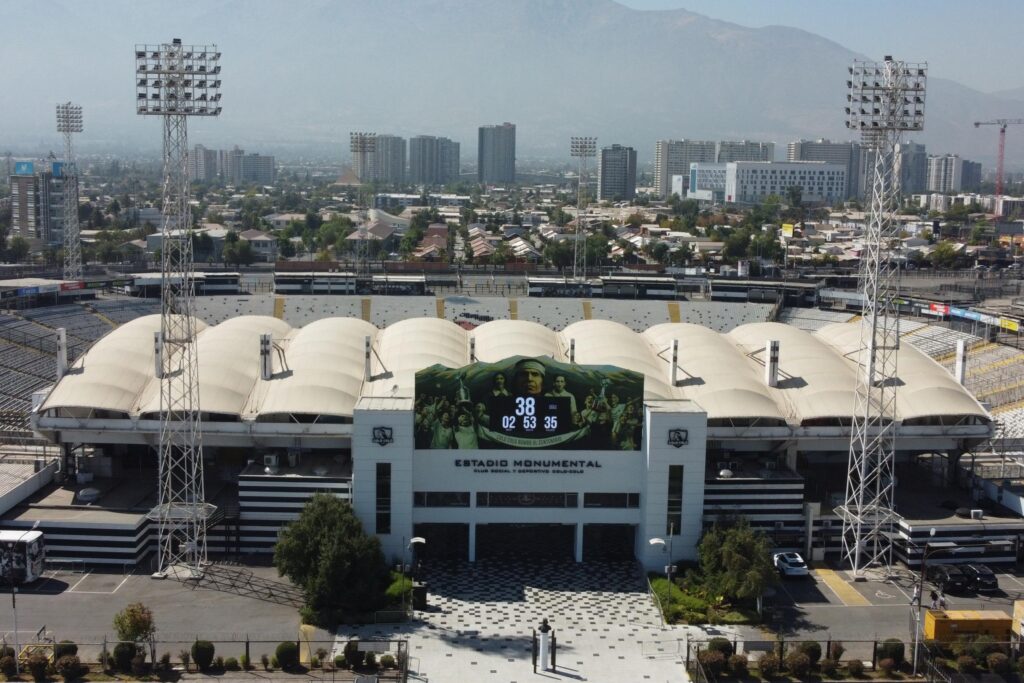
<point x="667" y="545"/>
<point x="415" y="540"/>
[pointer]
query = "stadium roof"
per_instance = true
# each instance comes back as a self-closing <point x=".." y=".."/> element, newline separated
<point x="318" y="370"/>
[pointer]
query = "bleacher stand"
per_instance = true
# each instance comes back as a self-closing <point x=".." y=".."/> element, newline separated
<point x="810" y="319"/>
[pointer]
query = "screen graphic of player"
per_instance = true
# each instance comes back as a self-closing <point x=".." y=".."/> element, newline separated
<point x="528" y="377"/>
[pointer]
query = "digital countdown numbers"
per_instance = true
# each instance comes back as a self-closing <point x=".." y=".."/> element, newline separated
<point x="525" y="416"/>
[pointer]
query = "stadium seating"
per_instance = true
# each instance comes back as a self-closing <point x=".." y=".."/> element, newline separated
<point x="810" y="319"/>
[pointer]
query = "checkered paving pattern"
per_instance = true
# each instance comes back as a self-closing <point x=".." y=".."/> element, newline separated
<point x="480" y="620"/>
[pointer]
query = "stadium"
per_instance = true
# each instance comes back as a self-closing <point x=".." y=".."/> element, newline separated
<point x="420" y="412"/>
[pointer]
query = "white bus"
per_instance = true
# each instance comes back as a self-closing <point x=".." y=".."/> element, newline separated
<point x="22" y="555"/>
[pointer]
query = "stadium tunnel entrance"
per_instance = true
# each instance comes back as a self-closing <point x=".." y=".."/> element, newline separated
<point x="526" y="541"/>
<point x="609" y="542"/>
<point x="446" y="541"/>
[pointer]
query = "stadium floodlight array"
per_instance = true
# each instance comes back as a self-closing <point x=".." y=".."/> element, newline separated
<point x="69" y="122"/>
<point x="885" y="100"/>
<point x="582" y="149"/>
<point x="176" y="81"/>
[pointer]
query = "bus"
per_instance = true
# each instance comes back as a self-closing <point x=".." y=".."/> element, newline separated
<point x="22" y="555"/>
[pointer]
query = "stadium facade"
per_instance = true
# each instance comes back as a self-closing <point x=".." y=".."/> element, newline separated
<point x="597" y="439"/>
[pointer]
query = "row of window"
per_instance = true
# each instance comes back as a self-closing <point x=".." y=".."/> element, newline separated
<point x="506" y="499"/>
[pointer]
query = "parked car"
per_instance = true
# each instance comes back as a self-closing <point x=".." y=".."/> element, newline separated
<point x="980" y="577"/>
<point x="947" y="577"/>
<point x="790" y="564"/>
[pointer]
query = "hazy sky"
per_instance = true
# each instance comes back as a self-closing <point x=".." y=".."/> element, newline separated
<point x="977" y="44"/>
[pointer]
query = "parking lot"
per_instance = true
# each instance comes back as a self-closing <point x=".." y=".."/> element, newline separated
<point x="827" y="601"/>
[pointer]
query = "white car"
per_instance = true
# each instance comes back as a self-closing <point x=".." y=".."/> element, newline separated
<point x="790" y="564"/>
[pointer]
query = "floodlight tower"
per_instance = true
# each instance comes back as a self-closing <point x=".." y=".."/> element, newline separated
<point x="174" y="82"/>
<point x="69" y="121"/>
<point x="885" y="99"/>
<point x="363" y="146"/>
<point x="582" y="149"/>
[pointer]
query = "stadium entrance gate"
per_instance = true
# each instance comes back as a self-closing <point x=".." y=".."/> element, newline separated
<point x="526" y="541"/>
<point x="609" y="542"/>
<point x="446" y="541"/>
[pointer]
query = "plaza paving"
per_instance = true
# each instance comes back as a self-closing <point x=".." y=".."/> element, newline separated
<point x="480" y="620"/>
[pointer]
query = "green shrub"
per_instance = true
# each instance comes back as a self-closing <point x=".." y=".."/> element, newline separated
<point x="186" y="658"/>
<point x="836" y="650"/>
<point x="38" y="664"/>
<point x="769" y="665"/>
<point x="739" y="666"/>
<point x="998" y="663"/>
<point x="6" y="651"/>
<point x="69" y="667"/>
<point x="891" y="648"/>
<point x="829" y="666"/>
<point x="798" y="664"/>
<point x="165" y="662"/>
<point x="265" y="661"/>
<point x="8" y="669"/>
<point x="231" y="664"/>
<point x="123" y="655"/>
<point x="321" y="656"/>
<point x="713" y="662"/>
<point x="244" y="662"/>
<point x="966" y="664"/>
<point x="720" y="645"/>
<point x="63" y="649"/>
<point x="287" y="655"/>
<point x="370" y="660"/>
<point x="887" y="665"/>
<point x="202" y="654"/>
<point x="387" y="661"/>
<point x="812" y="649"/>
<point x="855" y="667"/>
<point x="218" y="663"/>
<point x="273" y="662"/>
<point x="352" y="654"/>
<point x="982" y="646"/>
<point x="339" y="661"/>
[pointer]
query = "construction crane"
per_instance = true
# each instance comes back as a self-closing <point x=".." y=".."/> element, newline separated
<point x="1002" y="123"/>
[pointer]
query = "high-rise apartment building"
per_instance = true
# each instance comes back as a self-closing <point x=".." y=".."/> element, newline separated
<point x="496" y="154"/>
<point x="744" y="150"/>
<point x="240" y="168"/>
<point x="37" y="202"/>
<point x="433" y="160"/>
<point x="950" y="173"/>
<point x="389" y="159"/>
<point x="911" y="159"/>
<point x="971" y="179"/>
<point x="846" y="154"/>
<point x="203" y="164"/>
<point x="616" y="173"/>
<point x="673" y="157"/>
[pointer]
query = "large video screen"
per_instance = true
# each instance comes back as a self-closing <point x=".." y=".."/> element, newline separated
<point x="524" y="402"/>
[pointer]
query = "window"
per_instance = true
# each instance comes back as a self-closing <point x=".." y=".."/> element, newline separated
<point x="611" y="500"/>
<point x="506" y="499"/>
<point x="383" y="521"/>
<point x="440" y="499"/>
<point x="674" y="521"/>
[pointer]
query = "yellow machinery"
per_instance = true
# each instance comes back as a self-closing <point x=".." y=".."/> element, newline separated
<point x="948" y="625"/>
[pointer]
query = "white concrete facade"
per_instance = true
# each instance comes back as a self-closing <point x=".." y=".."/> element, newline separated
<point x="644" y="472"/>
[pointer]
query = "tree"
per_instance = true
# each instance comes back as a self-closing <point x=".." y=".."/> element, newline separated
<point x="328" y="554"/>
<point x="18" y="249"/>
<point x="238" y="253"/>
<point x="134" y="623"/>
<point x="944" y="255"/>
<point x="559" y="254"/>
<point x="736" y="560"/>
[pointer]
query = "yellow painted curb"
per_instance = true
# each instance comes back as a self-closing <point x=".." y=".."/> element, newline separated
<point x="847" y="593"/>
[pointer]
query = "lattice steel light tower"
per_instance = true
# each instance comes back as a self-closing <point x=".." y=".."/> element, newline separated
<point x="175" y="81"/>
<point x="69" y="121"/>
<point x="885" y="99"/>
<point x="363" y="146"/>
<point x="581" y="148"/>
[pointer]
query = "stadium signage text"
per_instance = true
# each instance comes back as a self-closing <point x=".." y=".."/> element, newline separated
<point x="527" y="466"/>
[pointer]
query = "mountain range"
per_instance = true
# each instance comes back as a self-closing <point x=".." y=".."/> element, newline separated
<point x="302" y="75"/>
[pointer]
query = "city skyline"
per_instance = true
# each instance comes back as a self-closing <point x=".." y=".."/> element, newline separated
<point x="267" y="114"/>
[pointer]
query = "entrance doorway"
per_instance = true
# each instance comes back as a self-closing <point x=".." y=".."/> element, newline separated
<point x="443" y="541"/>
<point x="526" y="541"/>
<point x="609" y="542"/>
